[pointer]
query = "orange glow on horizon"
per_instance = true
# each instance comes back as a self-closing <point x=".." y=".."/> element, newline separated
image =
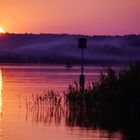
<point x="2" y="30"/>
<point x="75" y="17"/>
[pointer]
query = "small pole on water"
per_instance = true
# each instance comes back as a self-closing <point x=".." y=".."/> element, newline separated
<point x="82" y="43"/>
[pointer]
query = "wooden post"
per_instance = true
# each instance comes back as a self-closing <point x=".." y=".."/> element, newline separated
<point x="82" y="43"/>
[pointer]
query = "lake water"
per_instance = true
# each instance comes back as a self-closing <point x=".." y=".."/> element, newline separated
<point x="20" y="83"/>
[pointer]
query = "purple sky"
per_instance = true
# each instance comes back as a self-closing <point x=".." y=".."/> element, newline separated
<point x="71" y="16"/>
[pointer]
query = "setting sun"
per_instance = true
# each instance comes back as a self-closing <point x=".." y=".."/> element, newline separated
<point x="2" y="30"/>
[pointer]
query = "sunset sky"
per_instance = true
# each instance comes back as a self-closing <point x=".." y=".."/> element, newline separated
<point x="100" y="17"/>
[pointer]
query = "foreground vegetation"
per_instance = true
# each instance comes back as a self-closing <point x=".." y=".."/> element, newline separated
<point x="122" y="87"/>
<point x="111" y="104"/>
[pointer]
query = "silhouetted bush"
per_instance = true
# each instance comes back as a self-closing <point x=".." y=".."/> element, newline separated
<point x="111" y="104"/>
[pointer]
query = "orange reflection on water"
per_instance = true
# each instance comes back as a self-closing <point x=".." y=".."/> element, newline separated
<point x="0" y="92"/>
<point x="0" y="103"/>
<point x="38" y="121"/>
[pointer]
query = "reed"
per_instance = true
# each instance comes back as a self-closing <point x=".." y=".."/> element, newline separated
<point x="45" y="108"/>
<point x="112" y="103"/>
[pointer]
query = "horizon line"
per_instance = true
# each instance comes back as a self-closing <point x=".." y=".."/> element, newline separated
<point x="76" y="34"/>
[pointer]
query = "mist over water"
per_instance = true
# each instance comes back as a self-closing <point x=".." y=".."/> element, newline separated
<point x="29" y="48"/>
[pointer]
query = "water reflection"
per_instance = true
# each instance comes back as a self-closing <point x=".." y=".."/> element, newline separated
<point x="46" y="108"/>
<point x="59" y="120"/>
<point x="0" y="92"/>
<point x="0" y="103"/>
<point x="49" y="109"/>
<point x="108" y="118"/>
